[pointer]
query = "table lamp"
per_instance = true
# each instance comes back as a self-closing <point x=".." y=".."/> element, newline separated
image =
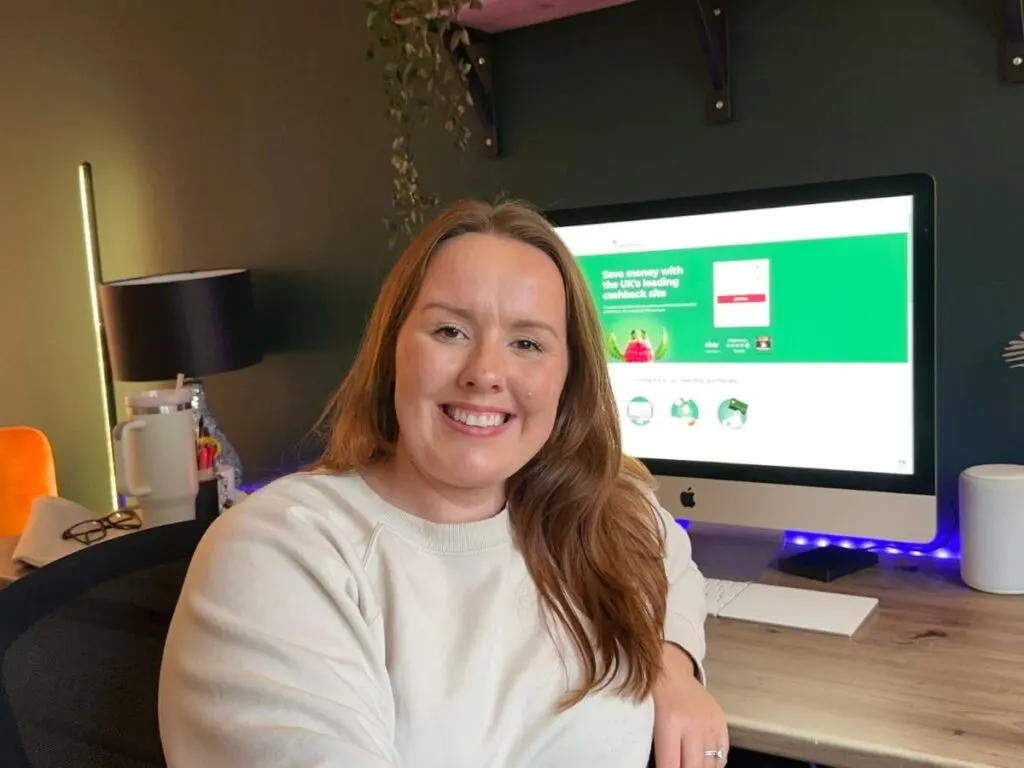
<point x="190" y="324"/>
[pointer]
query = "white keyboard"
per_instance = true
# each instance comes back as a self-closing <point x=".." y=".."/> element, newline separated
<point x="807" y="609"/>
<point x="719" y="593"/>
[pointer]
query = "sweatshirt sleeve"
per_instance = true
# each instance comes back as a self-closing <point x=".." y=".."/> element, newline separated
<point x="687" y="608"/>
<point x="274" y="657"/>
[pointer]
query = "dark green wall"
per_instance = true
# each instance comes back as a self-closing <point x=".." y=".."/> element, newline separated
<point x="609" y="107"/>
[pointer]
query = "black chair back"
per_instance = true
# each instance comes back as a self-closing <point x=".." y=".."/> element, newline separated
<point x="81" y="641"/>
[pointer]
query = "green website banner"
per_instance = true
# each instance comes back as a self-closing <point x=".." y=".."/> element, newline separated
<point x="834" y="300"/>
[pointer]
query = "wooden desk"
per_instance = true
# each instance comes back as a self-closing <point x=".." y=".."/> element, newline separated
<point x="934" y="678"/>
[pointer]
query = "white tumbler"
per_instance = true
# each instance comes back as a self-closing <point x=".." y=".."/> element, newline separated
<point x="155" y="455"/>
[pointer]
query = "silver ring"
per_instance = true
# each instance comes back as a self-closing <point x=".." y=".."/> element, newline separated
<point x="714" y="753"/>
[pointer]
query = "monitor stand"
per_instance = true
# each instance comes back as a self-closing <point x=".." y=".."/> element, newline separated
<point x="734" y="553"/>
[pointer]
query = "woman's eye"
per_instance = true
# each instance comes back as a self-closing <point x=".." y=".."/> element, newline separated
<point x="448" y="332"/>
<point x="527" y="345"/>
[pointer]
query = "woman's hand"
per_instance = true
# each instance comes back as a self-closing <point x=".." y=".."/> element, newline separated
<point x="688" y="723"/>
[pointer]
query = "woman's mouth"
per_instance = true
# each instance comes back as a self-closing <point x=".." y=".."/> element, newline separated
<point x="476" y="419"/>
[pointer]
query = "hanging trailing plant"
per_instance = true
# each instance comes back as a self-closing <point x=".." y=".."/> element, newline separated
<point x="413" y="40"/>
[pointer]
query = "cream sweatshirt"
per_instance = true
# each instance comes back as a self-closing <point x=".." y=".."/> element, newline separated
<point x="321" y="627"/>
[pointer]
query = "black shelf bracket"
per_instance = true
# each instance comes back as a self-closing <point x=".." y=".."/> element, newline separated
<point x="478" y="54"/>
<point x="712" y="33"/>
<point x="1011" y="46"/>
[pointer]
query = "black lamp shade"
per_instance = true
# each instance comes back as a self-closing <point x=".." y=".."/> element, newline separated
<point x="192" y="323"/>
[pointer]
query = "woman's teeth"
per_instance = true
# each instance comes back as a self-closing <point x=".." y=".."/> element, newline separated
<point x="474" y="418"/>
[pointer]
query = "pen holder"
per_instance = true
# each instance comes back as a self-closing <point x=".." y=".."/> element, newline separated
<point x="208" y="497"/>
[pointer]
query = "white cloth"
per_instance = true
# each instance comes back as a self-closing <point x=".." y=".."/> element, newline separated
<point x="320" y="626"/>
<point x="50" y="516"/>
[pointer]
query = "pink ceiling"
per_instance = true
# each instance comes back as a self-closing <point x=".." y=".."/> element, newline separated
<point x="503" y="15"/>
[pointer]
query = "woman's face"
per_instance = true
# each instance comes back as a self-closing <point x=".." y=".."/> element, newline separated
<point x="481" y="362"/>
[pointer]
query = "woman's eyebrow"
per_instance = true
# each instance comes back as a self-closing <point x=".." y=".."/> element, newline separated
<point x="521" y="324"/>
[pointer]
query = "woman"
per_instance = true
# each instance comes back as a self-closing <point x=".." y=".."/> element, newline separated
<point x="473" y="576"/>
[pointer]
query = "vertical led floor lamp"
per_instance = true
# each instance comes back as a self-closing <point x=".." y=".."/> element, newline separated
<point x="95" y="276"/>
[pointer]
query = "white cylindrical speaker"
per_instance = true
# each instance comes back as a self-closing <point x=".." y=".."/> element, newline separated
<point x="992" y="528"/>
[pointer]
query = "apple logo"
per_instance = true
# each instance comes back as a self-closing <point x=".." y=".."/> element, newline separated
<point x="686" y="498"/>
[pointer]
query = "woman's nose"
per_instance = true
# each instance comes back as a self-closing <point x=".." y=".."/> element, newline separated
<point x="485" y="369"/>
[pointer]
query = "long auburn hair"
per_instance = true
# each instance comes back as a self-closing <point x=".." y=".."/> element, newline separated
<point x="579" y="509"/>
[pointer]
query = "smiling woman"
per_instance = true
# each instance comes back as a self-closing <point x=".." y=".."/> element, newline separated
<point x="482" y="354"/>
<point x="473" y="574"/>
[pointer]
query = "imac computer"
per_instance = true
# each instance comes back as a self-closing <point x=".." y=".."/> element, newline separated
<point x="772" y="355"/>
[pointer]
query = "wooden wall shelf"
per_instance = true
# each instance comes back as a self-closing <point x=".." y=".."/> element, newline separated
<point x="505" y="15"/>
<point x="496" y="16"/>
<point x="711" y="20"/>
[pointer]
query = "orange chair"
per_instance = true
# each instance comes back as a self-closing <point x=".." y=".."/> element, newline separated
<point x="26" y="471"/>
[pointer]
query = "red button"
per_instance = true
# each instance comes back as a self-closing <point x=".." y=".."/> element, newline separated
<point x="743" y="298"/>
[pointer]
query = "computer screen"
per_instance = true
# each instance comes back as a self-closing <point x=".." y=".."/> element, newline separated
<point x="759" y="336"/>
<point x="774" y="336"/>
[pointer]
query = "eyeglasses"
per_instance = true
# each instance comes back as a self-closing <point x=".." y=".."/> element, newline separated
<point x="91" y="531"/>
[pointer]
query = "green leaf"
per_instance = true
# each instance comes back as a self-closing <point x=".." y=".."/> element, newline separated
<point x="421" y="82"/>
<point x="662" y="349"/>
<point x="612" y="348"/>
